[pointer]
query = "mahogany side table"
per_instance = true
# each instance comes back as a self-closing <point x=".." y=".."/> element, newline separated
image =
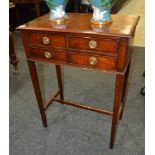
<point x="78" y="44"/>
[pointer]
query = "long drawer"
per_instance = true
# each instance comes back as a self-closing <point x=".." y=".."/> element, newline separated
<point x="93" y="61"/>
<point x="46" y="40"/>
<point x="48" y="54"/>
<point x="93" y="43"/>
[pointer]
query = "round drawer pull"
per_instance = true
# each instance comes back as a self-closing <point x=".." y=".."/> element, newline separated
<point x="92" y="61"/>
<point x="46" y="40"/>
<point x="48" y="55"/>
<point x="92" y="44"/>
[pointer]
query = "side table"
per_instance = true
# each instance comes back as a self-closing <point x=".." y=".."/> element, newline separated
<point x="77" y="43"/>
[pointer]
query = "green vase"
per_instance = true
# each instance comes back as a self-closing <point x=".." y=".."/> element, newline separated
<point x="57" y="10"/>
<point x="101" y="11"/>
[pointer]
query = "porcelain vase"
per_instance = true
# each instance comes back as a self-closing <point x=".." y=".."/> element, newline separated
<point x="57" y="10"/>
<point x="101" y="11"/>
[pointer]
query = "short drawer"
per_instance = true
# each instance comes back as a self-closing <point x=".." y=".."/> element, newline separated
<point x="44" y="39"/>
<point x="95" y="61"/>
<point x="48" y="54"/>
<point x="90" y="43"/>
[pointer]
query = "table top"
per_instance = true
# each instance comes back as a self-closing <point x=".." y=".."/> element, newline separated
<point x="122" y="25"/>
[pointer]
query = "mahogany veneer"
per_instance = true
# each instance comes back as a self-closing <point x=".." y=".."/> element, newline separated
<point x="79" y="44"/>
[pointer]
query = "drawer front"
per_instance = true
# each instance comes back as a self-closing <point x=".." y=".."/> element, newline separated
<point x="95" y="61"/>
<point x="48" y="54"/>
<point x="88" y="43"/>
<point x="44" y="39"/>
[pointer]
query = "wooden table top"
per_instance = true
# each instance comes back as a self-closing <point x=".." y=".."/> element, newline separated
<point x="123" y="25"/>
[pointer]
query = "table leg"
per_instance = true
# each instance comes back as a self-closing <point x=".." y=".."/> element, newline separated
<point x="35" y="81"/>
<point x="13" y="57"/>
<point x="124" y="90"/>
<point x="59" y="78"/>
<point x="116" y="107"/>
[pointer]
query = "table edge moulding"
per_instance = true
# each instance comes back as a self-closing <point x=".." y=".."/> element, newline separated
<point x="78" y="43"/>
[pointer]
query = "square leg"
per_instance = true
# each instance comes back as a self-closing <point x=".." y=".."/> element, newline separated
<point x="35" y="81"/>
<point x="59" y="78"/>
<point x="117" y="101"/>
<point x="123" y="99"/>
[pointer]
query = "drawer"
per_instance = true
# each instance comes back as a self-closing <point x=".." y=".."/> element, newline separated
<point x="48" y="54"/>
<point x="46" y="39"/>
<point x="92" y="43"/>
<point x="95" y="61"/>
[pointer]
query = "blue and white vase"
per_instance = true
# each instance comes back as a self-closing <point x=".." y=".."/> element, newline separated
<point x="57" y="10"/>
<point x="101" y="11"/>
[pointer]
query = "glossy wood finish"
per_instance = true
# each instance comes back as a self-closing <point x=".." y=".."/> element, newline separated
<point x="123" y="99"/>
<point x="60" y="84"/>
<point x="39" y="39"/>
<point x="35" y="81"/>
<point x="102" y="62"/>
<point x="116" y="107"/>
<point x="79" y="23"/>
<point x="79" y="45"/>
<point x="84" y="43"/>
<point x="40" y="53"/>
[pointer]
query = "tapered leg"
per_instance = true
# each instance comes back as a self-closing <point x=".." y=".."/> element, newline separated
<point x="35" y="81"/>
<point x="59" y="78"/>
<point x="124" y="93"/>
<point x="116" y="107"/>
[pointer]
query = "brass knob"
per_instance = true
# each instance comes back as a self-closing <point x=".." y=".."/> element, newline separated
<point x="46" y="40"/>
<point x="48" y="55"/>
<point x="92" y="61"/>
<point x="92" y="44"/>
